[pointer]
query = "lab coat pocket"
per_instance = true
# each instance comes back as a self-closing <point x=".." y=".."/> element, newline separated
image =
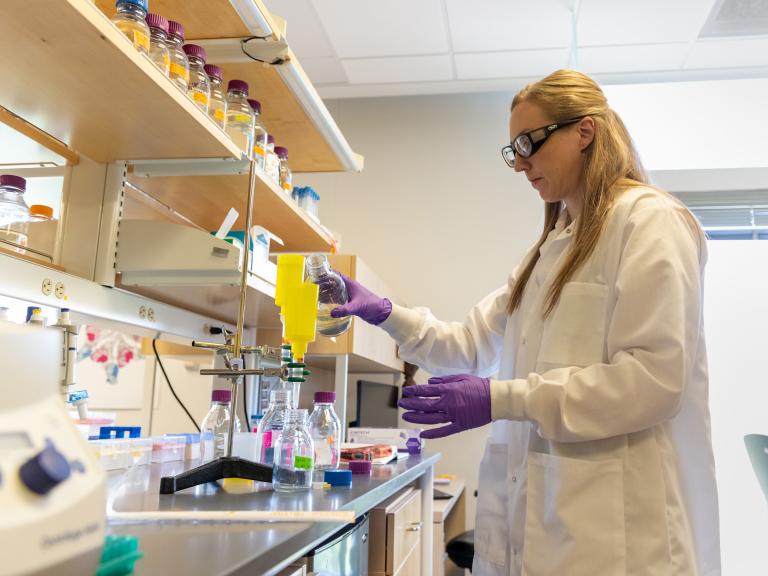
<point x="574" y="517"/>
<point x="574" y="333"/>
<point x="491" y="527"/>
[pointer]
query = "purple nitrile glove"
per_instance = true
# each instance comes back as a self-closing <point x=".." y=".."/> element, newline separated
<point x="461" y="401"/>
<point x="363" y="303"/>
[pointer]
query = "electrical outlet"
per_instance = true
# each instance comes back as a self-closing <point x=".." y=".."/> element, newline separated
<point x="151" y="314"/>
<point x="59" y="290"/>
<point x="142" y="312"/>
<point x="47" y="286"/>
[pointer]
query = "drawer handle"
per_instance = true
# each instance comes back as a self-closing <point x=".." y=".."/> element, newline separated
<point x="414" y="527"/>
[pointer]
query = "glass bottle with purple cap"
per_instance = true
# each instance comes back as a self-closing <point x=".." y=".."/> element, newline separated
<point x="217" y="108"/>
<point x="240" y="116"/>
<point x="325" y="430"/>
<point x="215" y="427"/>
<point x="259" y="134"/>
<point x="179" y="72"/>
<point x="199" y="88"/>
<point x="158" y="48"/>
<point x="14" y="212"/>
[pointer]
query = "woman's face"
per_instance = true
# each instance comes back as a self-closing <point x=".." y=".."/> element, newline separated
<point x="555" y="169"/>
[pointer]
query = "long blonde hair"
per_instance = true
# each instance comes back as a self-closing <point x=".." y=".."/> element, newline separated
<point x="611" y="164"/>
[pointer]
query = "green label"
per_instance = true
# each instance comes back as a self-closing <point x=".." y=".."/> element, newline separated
<point x="304" y="462"/>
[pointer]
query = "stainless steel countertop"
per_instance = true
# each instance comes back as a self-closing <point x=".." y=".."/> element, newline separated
<point x="255" y="548"/>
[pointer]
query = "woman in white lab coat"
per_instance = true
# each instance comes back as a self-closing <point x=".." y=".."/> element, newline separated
<point x="599" y="461"/>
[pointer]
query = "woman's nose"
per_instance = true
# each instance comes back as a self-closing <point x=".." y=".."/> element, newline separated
<point x="521" y="164"/>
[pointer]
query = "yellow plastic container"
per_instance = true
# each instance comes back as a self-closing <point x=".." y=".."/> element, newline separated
<point x="290" y="273"/>
<point x="300" y="318"/>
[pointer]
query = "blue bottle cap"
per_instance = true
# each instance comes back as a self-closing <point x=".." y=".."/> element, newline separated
<point x="338" y="477"/>
<point x="140" y="3"/>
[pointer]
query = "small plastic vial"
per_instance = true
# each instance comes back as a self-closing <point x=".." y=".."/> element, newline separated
<point x="271" y="425"/>
<point x="333" y="293"/>
<point x="294" y="451"/>
<point x="179" y="72"/>
<point x="158" y="49"/>
<point x="285" y="175"/>
<point x="215" y="427"/>
<point x="217" y="108"/>
<point x="199" y="88"/>
<point x="259" y="134"/>
<point x="271" y="161"/>
<point x="14" y="212"/>
<point x="130" y="19"/>
<point x="325" y="428"/>
<point x="240" y="116"/>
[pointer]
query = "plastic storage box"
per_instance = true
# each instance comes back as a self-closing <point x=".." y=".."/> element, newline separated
<point x="168" y="448"/>
<point x="121" y="453"/>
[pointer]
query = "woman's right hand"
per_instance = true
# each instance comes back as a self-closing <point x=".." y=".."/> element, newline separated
<point x="363" y="303"/>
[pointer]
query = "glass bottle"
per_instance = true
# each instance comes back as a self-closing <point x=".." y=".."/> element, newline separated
<point x="130" y="19"/>
<point x="217" y="108"/>
<point x="179" y="72"/>
<point x="271" y="161"/>
<point x="333" y="293"/>
<point x="271" y="425"/>
<point x="239" y="116"/>
<point x="325" y="429"/>
<point x="259" y="134"/>
<point x="158" y="48"/>
<point x="199" y="88"/>
<point x="14" y="212"/>
<point x="285" y="176"/>
<point x="215" y="427"/>
<point x="293" y="454"/>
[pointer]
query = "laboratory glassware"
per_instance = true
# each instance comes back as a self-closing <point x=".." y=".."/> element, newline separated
<point x="325" y="430"/>
<point x="240" y="116"/>
<point x="199" y="88"/>
<point x="158" y="49"/>
<point x="130" y="19"/>
<point x="179" y="71"/>
<point x="215" y="427"/>
<point x="333" y="293"/>
<point x="14" y="213"/>
<point x="294" y="451"/>
<point x="217" y="108"/>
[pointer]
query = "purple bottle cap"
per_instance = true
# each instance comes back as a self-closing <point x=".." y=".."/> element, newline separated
<point x="413" y="445"/>
<point x="361" y="466"/>
<point x="195" y="51"/>
<point x="270" y="139"/>
<point x="13" y="181"/>
<point x="281" y="152"/>
<point x="240" y="85"/>
<point x="213" y="71"/>
<point x="176" y="29"/>
<point x="255" y="106"/>
<point x="221" y="395"/>
<point x="325" y="397"/>
<point x="157" y="21"/>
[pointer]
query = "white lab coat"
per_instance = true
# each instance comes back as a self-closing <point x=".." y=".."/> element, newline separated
<point x="599" y="461"/>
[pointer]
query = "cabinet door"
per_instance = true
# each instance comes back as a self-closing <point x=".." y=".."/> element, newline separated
<point x="404" y="534"/>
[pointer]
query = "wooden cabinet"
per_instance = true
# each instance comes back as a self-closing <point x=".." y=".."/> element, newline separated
<point x="395" y="529"/>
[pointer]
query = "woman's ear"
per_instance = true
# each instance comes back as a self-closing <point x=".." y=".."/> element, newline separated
<point x="586" y="128"/>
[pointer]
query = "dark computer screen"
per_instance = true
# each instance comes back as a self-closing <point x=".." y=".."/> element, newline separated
<point x="376" y="405"/>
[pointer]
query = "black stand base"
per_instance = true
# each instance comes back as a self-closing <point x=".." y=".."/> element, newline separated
<point x="225" y="467"/>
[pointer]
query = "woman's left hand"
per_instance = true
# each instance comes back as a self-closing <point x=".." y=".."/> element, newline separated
<point x="462" y="401"/>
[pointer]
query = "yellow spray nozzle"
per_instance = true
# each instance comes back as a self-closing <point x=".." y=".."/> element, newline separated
<point x="290" y="273"/>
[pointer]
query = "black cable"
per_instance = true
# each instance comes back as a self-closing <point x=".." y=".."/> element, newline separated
<point x="244" y="41"/>
<point x="245" y="399"/>
<point x="154" y="348"/>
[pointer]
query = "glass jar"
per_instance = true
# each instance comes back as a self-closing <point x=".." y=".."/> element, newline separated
<point x="271" y="161"/>
<point x="158" y="48"/>
<point x="130" y="19"/>
<point x="285" y="176"/>
<point x="271" y="425"/>
<point x="214" y="430"/>
<point x="325" y="429"/>
<point x="14" y="213"/>
<point x="199" y="88"/>
<point x="260" y="135"/>
<point x="179" y="71"/>
<point x="333" y="293"/>
<point x="240" y="116"/>
<point x="294" y="452"/>
<point x="217" y="108"/>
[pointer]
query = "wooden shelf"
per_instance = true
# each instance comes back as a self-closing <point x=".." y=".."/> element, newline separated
<point x="205" y="201"/>
<point x="219" y="302"/>
<point x="357" y="364"/>
<point x="71" y="72"/>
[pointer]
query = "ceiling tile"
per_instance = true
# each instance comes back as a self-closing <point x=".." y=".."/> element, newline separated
<point x="324" y="70"/>
<point x="518" y="63"/>
<point x="371" y="28"/>
<point x="609" y="22"/>
<point x="303" y="31"/>
<point x="728" y="53"/>
<point x="408" y="69"/>
<point x="637" y="58"/>
<point x="491" y="25"/>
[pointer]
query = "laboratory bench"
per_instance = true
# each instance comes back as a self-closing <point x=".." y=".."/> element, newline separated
<point x="253" y="548"/>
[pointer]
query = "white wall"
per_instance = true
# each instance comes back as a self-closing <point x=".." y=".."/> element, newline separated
<point x="436" y="212"/>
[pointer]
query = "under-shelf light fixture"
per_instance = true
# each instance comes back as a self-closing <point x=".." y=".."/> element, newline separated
<point x="251" y="15"/>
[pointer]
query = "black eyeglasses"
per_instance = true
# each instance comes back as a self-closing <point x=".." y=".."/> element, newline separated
<point x="529" y="142"/>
